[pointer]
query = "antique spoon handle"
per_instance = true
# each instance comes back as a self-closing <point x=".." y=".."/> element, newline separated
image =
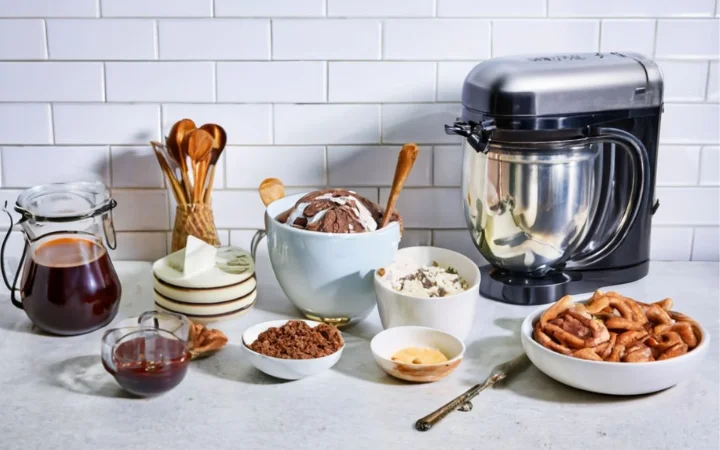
<point x="439" y="414"/>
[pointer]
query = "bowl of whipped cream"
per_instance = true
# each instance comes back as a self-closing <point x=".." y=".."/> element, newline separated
<point x="429" y="287"/>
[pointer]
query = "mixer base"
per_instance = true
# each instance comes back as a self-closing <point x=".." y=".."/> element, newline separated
<point x="520" y="289"/>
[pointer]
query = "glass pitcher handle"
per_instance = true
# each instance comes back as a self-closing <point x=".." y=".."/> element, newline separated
<point x="109" y="227"/>
<point x="640" y="185"/>
<point x="11" y="287"/>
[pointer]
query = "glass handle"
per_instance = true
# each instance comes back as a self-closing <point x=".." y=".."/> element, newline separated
<point x="11" y="287"/>
<point x="109" y="227"/>
<point x="640" y="185"/>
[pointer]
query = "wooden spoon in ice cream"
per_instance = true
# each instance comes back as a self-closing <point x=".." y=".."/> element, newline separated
<point x="271" y="189"/>
<point x="406" y="159"/>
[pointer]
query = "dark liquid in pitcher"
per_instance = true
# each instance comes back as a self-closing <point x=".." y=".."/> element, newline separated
<point x="70" y="286"/>
<point x="138" y="374"/>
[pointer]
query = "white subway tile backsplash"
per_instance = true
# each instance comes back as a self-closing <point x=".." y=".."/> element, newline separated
<point x="247" y="167"/>
<point x="381" y="8"/>
<point x="374" y="166"/>
<point x="506" y="8"/>
<point x="141" y="210"/>
<point x="429" y="208"/>
<point x="244" y="124"/>
<point x="459" y="241"/>
<point x="59" y="164"/>
<point x="135" y="167"/>
<point x="684" y="80"/>
<point x="140" y="246"/>
<point x="159" y="81"/>
<point x="671" y="243"/>
<point x="217" y="39"/>
<point x="451" y="76"/>
<point x="713" y="91"/>
<point x="324" y="93"/>
<point x="22" y="39"/>
<point x="436" y="39"/>
<point x="270" y="8"/>
<point x="678" y="165"/>
<point x="628" y="36"/>
<point x="634" y="8"/>
<point x="51" y="81"/>
<point x="326" y="39"/>
<point x="710" y="166"/>
<point x="416" y="238"/>
<point x="105" y="39"/>
<point x="106" y="123"/>
<point x="25" y="124"/>
<point x="327" y="124"/>
<point x="276" y="82"/>
<point x="706" y="245"/>
<point x="447" y="165"/>
<point x="367" y="82"/>
<point x="48" y="8"/>
<point x="420" y="123"/>
<point x="688" y="39"/>
<point x="690" y="124"/>
<point x="156" y="8"/>
<point x="512" y="37"/>
<point x="687" y="206"/>
<point x="238" y="209"/>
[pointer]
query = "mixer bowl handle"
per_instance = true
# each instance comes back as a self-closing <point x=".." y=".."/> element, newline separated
<point x="641" y="163"/>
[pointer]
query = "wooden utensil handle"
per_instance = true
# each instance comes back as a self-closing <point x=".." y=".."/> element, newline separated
<point x="406" y="160"/>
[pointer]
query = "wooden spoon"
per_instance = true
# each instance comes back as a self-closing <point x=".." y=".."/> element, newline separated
<point x="219" y="140"/>
<point x="174" y="144"/>
<point x="197" y="144"/>
<point x="169" y="173"/>
<point x="406" y="159"/>
<point x="271" y="189"/>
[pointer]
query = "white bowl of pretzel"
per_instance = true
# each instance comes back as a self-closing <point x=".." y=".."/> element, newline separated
<point x="612" y="344"/>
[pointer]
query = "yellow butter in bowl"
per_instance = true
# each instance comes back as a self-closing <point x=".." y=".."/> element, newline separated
<point x="418" y="355"/>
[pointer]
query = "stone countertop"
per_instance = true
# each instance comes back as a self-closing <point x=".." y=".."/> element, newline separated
<point x="56" y="395"/>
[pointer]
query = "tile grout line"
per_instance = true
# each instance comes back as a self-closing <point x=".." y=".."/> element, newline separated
<point x="655" y="38"/>
<point x="156" y="39"/>
<point x="47" y="42"/>
<point x="707" y="80"/>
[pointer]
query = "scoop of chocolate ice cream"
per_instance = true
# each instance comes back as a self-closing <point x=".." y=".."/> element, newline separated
<point x="335" y="211"/>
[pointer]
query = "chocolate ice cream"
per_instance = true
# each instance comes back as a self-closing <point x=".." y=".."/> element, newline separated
<point x="335" y="211"/>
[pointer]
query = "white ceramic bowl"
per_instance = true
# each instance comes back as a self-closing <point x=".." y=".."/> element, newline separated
<point x="613" y="378"/>
<point x="388" y="342"/>
<point x="453" y="314"/>
<point x="327" y="276"/>
<point x="287" y="369"/>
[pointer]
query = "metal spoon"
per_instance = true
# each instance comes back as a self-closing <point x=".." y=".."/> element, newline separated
<point x="406" y="159"/>
<point x="197" y="144"/>
<point x="219" y="140"/>
<point x="174" y="144"/>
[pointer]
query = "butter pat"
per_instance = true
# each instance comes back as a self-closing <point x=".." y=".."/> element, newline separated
<point x="195" y="258"/>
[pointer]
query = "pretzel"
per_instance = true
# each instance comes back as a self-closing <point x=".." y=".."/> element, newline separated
<point x="675" y="350"/>
<point x="586" y="353"/>
<point x="545" y="340"/>
<point x="615" y="328"/>
<point x="621" y="323"/>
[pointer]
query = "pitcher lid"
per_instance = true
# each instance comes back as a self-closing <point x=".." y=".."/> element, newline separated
<point x="65" y="202"/>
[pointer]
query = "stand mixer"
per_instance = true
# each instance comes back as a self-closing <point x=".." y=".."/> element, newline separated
<point x="559" y="164"/>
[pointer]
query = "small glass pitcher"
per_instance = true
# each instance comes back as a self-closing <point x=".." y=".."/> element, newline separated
<point x="69" y="285"/>
<point x="150" y="358"/>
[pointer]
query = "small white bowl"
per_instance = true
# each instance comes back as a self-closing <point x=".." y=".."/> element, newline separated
<point x="613" y="378"/>
<point x="287" y="369"/>
<point x="388" y="342"/>
<point x="453" y="314"/>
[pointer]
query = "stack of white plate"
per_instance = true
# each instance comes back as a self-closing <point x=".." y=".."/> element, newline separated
<point x="226" y="291"/>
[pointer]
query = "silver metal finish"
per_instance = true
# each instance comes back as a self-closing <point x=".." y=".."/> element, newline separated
<point x="532" y="206"/>
<point x="463" y="401"/>
<point x="563" y="84"/>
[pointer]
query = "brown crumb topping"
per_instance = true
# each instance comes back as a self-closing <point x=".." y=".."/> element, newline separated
<point x="297" y="340"/>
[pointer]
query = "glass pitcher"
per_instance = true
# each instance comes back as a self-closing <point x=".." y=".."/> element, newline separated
<point x="69" y="285"/>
